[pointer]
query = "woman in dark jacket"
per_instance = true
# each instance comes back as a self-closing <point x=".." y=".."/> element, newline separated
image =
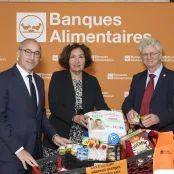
<point x="72" y="93"/>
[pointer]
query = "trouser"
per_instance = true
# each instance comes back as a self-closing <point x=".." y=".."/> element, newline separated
<point x="13" y="167"/>
<point x="16" y="166"/>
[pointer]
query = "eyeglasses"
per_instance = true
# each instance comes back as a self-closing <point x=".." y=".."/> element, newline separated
<point x="28" y="52"/>
<point x="151" y="54"/>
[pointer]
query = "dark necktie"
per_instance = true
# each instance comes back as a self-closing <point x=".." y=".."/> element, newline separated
<point x="147" y="96"/>
<point x="33" y="94"/>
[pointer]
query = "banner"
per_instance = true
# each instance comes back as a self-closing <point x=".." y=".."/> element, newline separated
<point x="111" y="30"/>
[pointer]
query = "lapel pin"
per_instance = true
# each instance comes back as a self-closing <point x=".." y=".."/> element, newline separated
<point x="164" y="75"/>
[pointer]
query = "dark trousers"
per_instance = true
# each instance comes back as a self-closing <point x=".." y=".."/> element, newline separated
<point x="16" y="167"/>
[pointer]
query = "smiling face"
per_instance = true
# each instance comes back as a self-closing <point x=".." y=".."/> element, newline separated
<point x="151" y="57"/>
<point x="77" y="60"/>
<point x="26" y="61"/>
<point x="98" y="122"/>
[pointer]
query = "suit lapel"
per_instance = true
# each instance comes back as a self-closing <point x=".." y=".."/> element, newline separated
<point x="19" y="82"/>
<point x="70" y="88"/>
<point x="160" y="81"/>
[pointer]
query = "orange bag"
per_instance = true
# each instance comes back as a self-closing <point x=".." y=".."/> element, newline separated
<point x="163" y="161"/>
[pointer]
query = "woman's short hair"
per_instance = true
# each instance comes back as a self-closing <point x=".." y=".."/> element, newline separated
<point x="65" y="54"/>
<point x="149" y="41"/>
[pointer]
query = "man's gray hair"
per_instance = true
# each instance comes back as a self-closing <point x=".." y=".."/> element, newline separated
<point x="149" y="41"/>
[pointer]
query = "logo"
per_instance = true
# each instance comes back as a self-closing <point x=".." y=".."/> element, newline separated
<point x="127" y="58"/>
<point x="31" y="25"/>
<point x="45" y="75"/>
<point x="2" y="59"/>
<point x="92" y="57"/>
<point x="167" y="58"/>
<point x="39" y="74"/>
<point x="98" y="58"/>
<point x="55" y="58"/>
<point x="114" y="76"/>
<point x="165" y="152"/>
<point x="126" y="93"/>
<point x="113" y="138"/>
<point x="107" y="95"/>
<point x="110" y="76"/>
<point x="130" y="58"/>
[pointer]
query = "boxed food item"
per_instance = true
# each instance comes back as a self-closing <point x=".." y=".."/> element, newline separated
<point x="97" y="152"/>
<point x="113" y="152"/>
<point x="74" y="149"/>
<point x="102" y="123"/>
<point x="82" y="154"/>
<point x="137" y="142"/>
<point x="128" y="136"/>
<point x="140" y="143"/>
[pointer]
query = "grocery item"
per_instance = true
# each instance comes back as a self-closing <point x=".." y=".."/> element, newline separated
<point x="102" y="123"/>
<point x="113" y="139"/>
<point x="61" y="150"/>
<point x="68" y="148"/>
<point x="74" y="148"/>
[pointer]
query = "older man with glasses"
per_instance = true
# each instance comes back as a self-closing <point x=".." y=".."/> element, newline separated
<point x="151" y="92"/>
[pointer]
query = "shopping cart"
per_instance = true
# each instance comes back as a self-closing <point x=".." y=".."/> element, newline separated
<point x="139" y="164"/>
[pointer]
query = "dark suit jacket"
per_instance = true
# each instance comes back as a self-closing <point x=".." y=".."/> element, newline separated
<point x="18" y="124"/>
<point x="162" y="102"/>
<point x="62" y="100"/>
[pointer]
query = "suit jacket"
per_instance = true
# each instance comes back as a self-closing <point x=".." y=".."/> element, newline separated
<point x="62" y="100"/>
<point x="162" y="102"/>
<point x="18" y="124"/>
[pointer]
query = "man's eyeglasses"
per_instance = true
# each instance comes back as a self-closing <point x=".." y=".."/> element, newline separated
<point x="28" y="52"/>
<point x="151" y="54"/>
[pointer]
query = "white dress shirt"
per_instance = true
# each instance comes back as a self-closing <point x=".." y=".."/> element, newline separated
<point x="156" y="73"/>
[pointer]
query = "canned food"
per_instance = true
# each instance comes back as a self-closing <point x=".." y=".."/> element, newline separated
<point x="68" y="148"/>
<point x="61" y="150"/>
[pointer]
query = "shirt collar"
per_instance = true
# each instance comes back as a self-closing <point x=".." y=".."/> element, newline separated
<point x="157" y="72"/>
<point x="22" y="71"/>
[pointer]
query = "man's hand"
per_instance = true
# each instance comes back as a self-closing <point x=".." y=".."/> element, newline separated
<point x="150" y="120"/>
<point x="61" y="141"/>
<point x="25" y="157"/>
<point x="81" y="119"/>
<point x="126" y="124"/>
<point x="130" y="116"/>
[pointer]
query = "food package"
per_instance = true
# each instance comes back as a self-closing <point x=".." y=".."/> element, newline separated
<point x="102" y="123"/>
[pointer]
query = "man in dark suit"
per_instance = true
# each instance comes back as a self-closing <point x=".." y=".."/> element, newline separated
<point x="152" y="91"/>
<point x="22" y="113"/>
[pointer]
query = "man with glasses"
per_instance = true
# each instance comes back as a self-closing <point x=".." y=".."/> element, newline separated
<point x="151" y="92"/>
<point x="22" y="113"/>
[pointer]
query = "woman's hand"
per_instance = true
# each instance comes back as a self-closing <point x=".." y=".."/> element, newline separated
<point x="81" y="119"/>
